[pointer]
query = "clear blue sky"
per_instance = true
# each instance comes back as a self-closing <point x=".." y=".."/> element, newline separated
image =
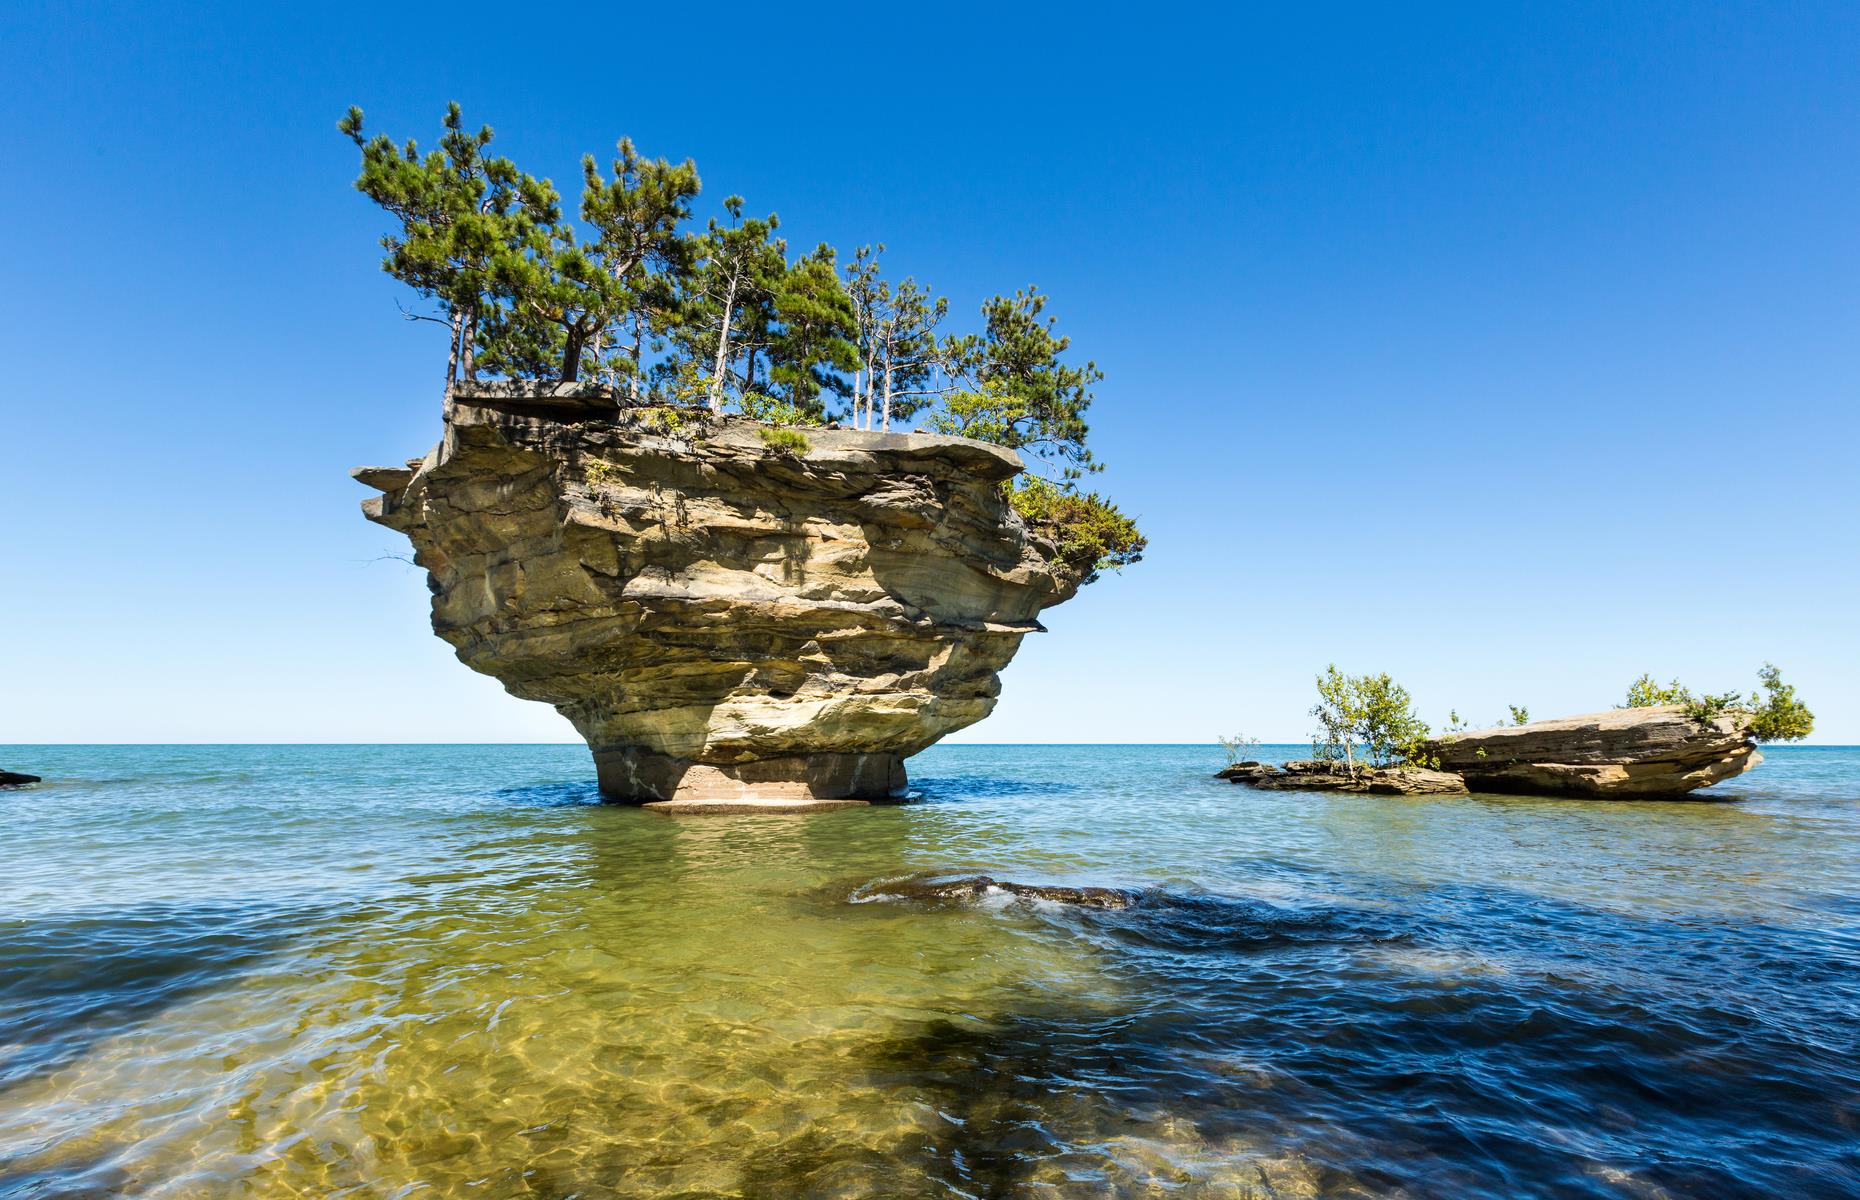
<point x="1514" y="352"/>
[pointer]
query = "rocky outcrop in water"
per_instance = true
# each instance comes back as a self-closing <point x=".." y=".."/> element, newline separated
<point x="1624" y="752"/>
<point x="1311" y="774"/>
<point x="16" y="779"/>
<point x="728" y="622"/>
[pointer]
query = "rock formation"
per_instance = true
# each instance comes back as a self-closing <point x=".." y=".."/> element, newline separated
<point x="1625" y="752"/>
<point x="728" y="623"/>
<point x="1311" y="774"/>
<point x="16" y="779"/>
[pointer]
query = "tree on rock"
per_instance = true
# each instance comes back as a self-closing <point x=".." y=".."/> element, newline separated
<point x="1780" y="716"/>
<point x="636" y="217"/>
<point x="812" y="341"/>
<point x="736" y="264"/>
<point x="1013" y="388"/>
<point x="907" y="354"/>
<point x="458" y="209"/>
<point x="1372" y="712"/>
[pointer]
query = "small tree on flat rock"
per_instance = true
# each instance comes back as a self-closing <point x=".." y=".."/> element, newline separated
<point x="1372" y="712"/>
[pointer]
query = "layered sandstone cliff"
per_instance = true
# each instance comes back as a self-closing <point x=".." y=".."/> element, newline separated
<point x="724" y="621"/>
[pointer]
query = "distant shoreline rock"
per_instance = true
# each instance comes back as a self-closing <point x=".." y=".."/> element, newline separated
<point x="1655" y="753"/>
<point x="1321" y="775"/>
<point x="15" y="779"/>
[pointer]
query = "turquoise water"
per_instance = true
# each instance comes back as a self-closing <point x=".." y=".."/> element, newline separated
<point x="448" y="971"/>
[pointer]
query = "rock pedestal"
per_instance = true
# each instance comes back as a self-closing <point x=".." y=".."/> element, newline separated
<point x="728" y="624"/>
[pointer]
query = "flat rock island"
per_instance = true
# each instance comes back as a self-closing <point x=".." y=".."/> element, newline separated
<point x="1652" y="752"/>
<point x="733" y="617"/>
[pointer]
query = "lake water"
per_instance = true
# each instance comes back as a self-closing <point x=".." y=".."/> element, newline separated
<point x="448" y="971"/>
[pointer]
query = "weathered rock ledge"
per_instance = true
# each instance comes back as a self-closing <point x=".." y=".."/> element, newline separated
<point x="728" y="625"/>
<point x="1311" y="774"/>
<point x="1624" y="753"/>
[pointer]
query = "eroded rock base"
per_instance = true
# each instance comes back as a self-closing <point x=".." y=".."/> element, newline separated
<point x="795" y="783"/>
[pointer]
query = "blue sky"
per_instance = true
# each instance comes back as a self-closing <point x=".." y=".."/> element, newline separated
<point x="1510" y="350"/>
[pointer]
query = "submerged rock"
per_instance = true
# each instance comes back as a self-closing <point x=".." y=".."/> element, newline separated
<point x="727" y="623"/>
<point x="15" y="779"/>
<point x="978" y="887"/>
<point x="1624" y="752"/>
<point x="1322" y="775"/>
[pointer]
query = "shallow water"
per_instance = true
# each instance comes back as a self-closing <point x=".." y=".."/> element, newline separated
<point x="448" y="971"/>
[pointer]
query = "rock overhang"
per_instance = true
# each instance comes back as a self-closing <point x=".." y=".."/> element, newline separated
<point x="721" y="618"/>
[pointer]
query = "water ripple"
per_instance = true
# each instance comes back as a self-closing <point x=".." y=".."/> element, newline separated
<point x="395" y="971"/>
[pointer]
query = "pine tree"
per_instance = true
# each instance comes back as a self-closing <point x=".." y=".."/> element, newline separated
<point x="907" y="351"/>
<point x="636" y="218"/>
<point x="458" y="210"/>
<point x="728" y="285"/>
<point x="553" y="277"/>
<point x="867" y="294"/>
<point x="1013" y="389"/>
<point x="813" y="341"/>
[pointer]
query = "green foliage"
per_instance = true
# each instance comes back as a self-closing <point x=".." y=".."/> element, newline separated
<point x="457" y="210"/>
<point x="1520" y="715"/>
<point x="1092" y="534"/>
<point x="1645" y="693"/>
<point x="1779" y="716"/>
<point x="811" y="340"/>
<point x="1709" y="708"/>
<point x="899" y="355"/>
<point x="665" y="420"/>
<point x="773" y="410"/>
<point x="637" y="217"/>
<point x="1372" y="712"/>
<point x="514" y="344"/>
<point x="1014" y="389"/>
<point x="624" y="292"/>
<point x="726" y="301"/>
<point x="1240" y="748"/>
<point x="908" y="351"/>
<point x="786" y="441"/>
